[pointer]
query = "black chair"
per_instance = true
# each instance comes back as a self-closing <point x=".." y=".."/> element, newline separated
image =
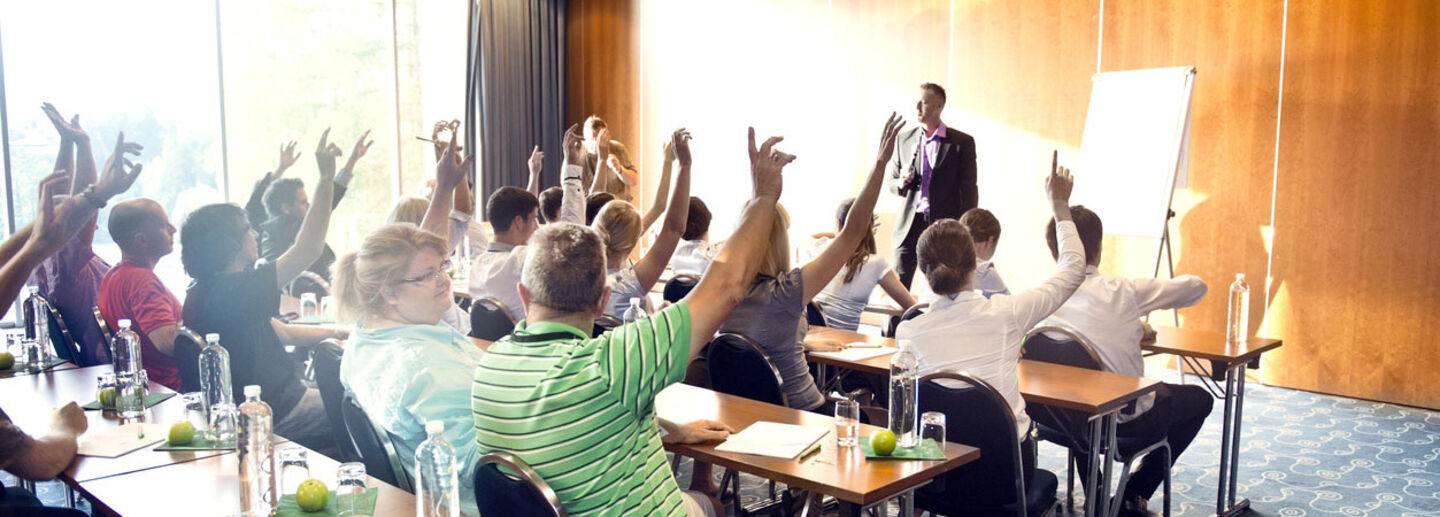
<point x="738" y="366"/>
<point x="679" y="286"/>
<point x="187" y="358"/>
<point x="909" y="314"/>
<point x="814" y="315"/>
<point x="105" y="333"/>
<point x="66" y="348"/>
<point x="499" y="493"/>
<point x="326" y="365"/>
<point x="1066" y="428"/>
<point x="604" y="323"/>
<point x="373" y="445"/>
<point x="488" y="319"/>
<point x="993" y="484"/>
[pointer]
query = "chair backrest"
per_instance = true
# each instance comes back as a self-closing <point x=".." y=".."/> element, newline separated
<point x="738" y="366"/>
<point x="679" y="286"/>
<point x="187" y="358"/>
<point x="909" y="314"/>
<point x="488" y="319"/>
<point x="65" y="346"/>
<point x="1073" y="350"/>
<point x="814" y="315"/>
<point x="498" y="493"/>
<point x="105" y="333"/>
<point x="373" y="444"/>
<point x="326" y="363"/>
<point x="307" y="282"/>
<point x="604" y="323"/>
<point x="977" y="415"/>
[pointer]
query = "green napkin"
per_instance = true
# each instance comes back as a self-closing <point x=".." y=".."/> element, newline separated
<point x="151" y="400"/>
<point x="927" y="450"/>
<point x="49" y="363"/>
<point x="199" y="444"/>
<point x="289" y="508"/>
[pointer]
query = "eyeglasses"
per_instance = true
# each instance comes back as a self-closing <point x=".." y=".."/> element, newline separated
<point x="443" y="273"/>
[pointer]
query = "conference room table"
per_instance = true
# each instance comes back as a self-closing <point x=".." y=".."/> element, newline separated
<point x="1098" y="395"/>
<point x="845" y="474"/>
<point x="17" y="372"/>
<point x="1194" y="346"/>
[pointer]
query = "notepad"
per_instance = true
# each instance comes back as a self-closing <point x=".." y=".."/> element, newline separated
<point x="119" y="441"/>
<point x="857" y="353"/>
<point x="773" y="439"/>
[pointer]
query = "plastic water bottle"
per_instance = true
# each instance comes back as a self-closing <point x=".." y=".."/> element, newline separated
<point x="1237" y="319"/>
<point x="129" y="372"/>
<point x="635" y="312"/>
<point x="903" y="397"/>
<point x="215" y="384"/>
<point x="37" y="324"/>
<point x="257" y="484"/>
<point x="437" y="480"/>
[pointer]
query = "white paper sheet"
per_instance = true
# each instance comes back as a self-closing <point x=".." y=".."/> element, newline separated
<point x="773" y="439"/>
<point x="858" y="353"/>
<point x="119" y="441"/>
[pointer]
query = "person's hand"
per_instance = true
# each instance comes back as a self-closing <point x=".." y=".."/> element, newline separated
<point x="1059" y="184"/>
<point x="537" y="160"/>
<point x="453" y="165"/>
<point x="574" y="146"/>
<point x="602" y="145"/>
<point x="53" y="224"/>
<point x="288" y="157"/>
<point x="325" y="154"/>
<point x="668" y="148"/>
<point x="357" y="152"/>
<point x="680" y="147"/>
<point x="893" y="125"/>
<point x="1147" y="332"/>
<point x="119" y="172"/>
<point x="437" y="134"/>
<point x="699" y="431"/>
<point x="766" y="163"/>
<point x="823" y="345"/>
<point x="69" y="419"/>
<point x="68" y="130"/>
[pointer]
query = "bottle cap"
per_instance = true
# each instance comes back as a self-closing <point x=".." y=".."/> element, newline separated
<point x="33" y="289"/>
<point x="252" y="390"/>
<point x="1239" y="276"/>
<point x="212" y="338"/>
<point x="124" y="324"/>
<point x="634" y="302"/>
<point x="434" y="427"/>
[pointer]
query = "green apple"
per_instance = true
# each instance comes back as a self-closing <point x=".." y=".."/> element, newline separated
<point x="181" y="433"/>
<point x="106" y="398"/>
<point x="883" y="442"/>
<point x="7" y="360"/>
<point x="312" y="496"/>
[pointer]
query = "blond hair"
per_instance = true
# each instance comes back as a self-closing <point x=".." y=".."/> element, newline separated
<point x="409" y="209"/>
<point x="382" y="261"/>
<point x="777" y="259"/>
<point x="618" y="224"/>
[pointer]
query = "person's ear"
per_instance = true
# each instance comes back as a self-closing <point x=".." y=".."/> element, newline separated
<point x="388" y="293"/>
<point x="604" y="302"/>
<point x="524" y="295"/>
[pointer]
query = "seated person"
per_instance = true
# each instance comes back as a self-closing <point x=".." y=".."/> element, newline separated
<point x="237" y="295"/>
<point x="619" y="227"/>
<point x="605" y="456"/>
<point x="964" y="331"/>
<point x="773" y="312"/>
<point x="131" y="290"/>
<point x="849" y="292"/>
<point x="985" y="230"/>
<point x="550" y="204"/>
<point x="406" y="365"/>
<point x="411" y="209"/>
<point x="1107" y="309"/>
<point x="694" y="253"/>
<point x="38" y="459"/>
<point x="593" y="204"/>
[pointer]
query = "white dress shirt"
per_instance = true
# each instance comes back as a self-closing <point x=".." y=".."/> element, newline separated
<point x="1106" y="309"/>
<point x="496" y="271"/>
<point x="692" y="257"/>
<point x="967" y="332"/>
<point x="987" y="279"/>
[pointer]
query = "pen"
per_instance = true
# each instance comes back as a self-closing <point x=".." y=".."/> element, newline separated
<point x="862" y="344"/>
<point x="809" y="453"/>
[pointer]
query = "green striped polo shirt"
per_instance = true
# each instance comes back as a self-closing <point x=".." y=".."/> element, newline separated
<point x="581" y="411"/>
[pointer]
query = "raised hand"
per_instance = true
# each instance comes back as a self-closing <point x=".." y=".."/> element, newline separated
<point x="537" y="160"/>
<point x="119" y="172"/>
<point x="325" y="154"/>
<point x="52" y="225"/>
<point x="1059" y="184"/>
<point x="357" y="152"/>
<point x="68" y="130"/>
<point x="766" y="163"/>
<point x="893" y="125"/>
<point x="574" y="146"/>
<point x="679" y="147"/>
<point x="288" y="157"/>
<point x="453" y="165"/>
<point x="437" y="134"/>
<point x="602" y="145"/>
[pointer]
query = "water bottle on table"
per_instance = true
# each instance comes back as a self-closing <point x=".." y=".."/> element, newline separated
<point x="1237" y="319"/>
<point x="215" y="384"/>
<point x="903" y="397"/>
<point x="37" y="328"/>
<point x="437" y="480"/>
<point x="130" y="378"/>
<point x="635" y="312"/>
<point x="257" y="482"/>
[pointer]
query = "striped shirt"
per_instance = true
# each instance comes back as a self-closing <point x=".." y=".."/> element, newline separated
<point x="581" y="411"/>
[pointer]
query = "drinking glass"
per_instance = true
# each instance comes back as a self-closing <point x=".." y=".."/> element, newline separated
<point x="32" y="354"/>
<point x="105" y="380"/>
<point x="197" y="411"/>
<point x="294" y="469"/>
<point x="308" y="305"/>
<point x="847" y="423"/>
<point x="223" y="419"/>
<point x="932" y="426"/>
<point x="350" y="490"/>
<point x="326" y="308"/>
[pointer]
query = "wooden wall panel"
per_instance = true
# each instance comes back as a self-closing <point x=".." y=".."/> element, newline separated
<point x="1356" y="210"/>
<point x="602" y="55"/>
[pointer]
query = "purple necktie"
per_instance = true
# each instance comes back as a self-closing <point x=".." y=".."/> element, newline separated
<point x="924" y="205"/>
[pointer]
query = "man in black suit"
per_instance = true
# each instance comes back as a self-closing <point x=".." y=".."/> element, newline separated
<point x="937" y="179"/>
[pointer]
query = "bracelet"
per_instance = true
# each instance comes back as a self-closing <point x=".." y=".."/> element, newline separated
<point x="89" y="196"/>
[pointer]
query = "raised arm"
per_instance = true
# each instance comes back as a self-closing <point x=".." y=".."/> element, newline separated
<point x="648" y="270"/>
<point x="65" y="160"/>
<point x="600" y="181"/>
<point x="658" y="205"/>
<point x="255" y="206"/>
<point x="1036" y="304"/>
<point x="449" y="172"/>
<point x="725" y="282"/>
<point x="347" y="173"/>
<point x="890" y="283"/>
<point x="310" y="240"/>
<point x="818" y="272"/>
<point x="536" y="163"/>
<point x="572" y="189"/>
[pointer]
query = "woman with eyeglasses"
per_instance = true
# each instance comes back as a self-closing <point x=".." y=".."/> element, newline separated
<point x="846" y="296"/>
<point x="404" y="364"/>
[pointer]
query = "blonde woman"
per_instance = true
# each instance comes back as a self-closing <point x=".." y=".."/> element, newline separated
<point x="620" y="226"/>
<point x="411" y="210"/>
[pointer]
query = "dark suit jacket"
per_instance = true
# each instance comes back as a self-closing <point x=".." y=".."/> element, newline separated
<point x="952" y="180"/>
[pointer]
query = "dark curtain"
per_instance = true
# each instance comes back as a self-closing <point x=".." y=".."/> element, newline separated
<point x="516" y="95"/>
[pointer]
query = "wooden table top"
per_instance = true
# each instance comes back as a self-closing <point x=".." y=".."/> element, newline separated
<point x="846" y="475"/>
<point x="1089" y="391"/>
<point x="1204" y="344"/>
<point x="211" y="486"/>
<point x="6" y="374"/>
<point x="28" y="400"/>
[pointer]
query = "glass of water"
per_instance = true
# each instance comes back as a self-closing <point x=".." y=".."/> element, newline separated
<point x="294" y="468"/>
<point x="350" y="490"/>
<point x="847" y="423"/>
<point x="222" y="423"/>
<point x="327" y="308"/>
<point x="308" y="306"/>
<point x="197" y="412"/>
<point x="932" y="426"/>
<point x="32" y="354"/>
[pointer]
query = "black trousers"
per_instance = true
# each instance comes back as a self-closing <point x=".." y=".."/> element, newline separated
<point x="905" y="261"/>
<point x="1177" y="416"/>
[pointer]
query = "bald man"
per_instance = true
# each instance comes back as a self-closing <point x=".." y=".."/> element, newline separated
<point x="132" y="291"/>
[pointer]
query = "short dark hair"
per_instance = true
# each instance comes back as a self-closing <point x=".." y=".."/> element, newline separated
<point x="697" y="222"/>
<point x="550" y="199"/>
<point x="507" y="203"/>
<point x="281" y="192"/>
<point x="1091" y="232"/>
<point x="211" y="238"/>
<point x="946" y="254"/>
<point x="982" y="224"/>
<point x="128" y="219"/>
<point x="935" y="89"/>
<point x="593" y="203"/>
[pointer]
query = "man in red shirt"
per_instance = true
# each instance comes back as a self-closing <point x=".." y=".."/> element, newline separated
<point x="132" y="291"/>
